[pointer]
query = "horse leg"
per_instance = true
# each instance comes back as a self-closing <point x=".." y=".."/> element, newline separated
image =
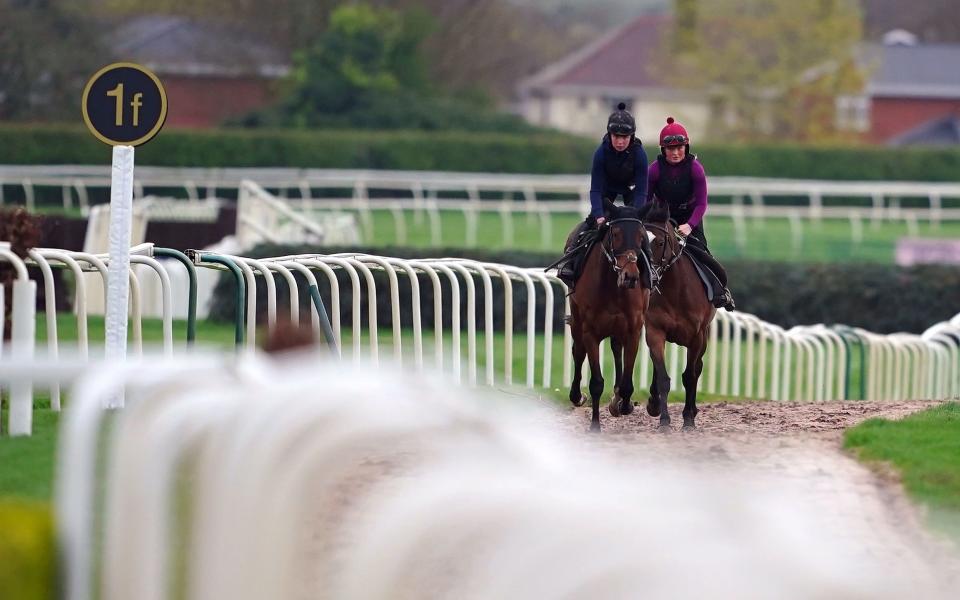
<point x="656" y="341"/>
<point x="596" y="382"/>
<point x="691" y="375"/>
<point x="626" y="379"/>
<point x="653" y="405"/>
<point x="579" y="353"/>
<point x="614" y="407"/>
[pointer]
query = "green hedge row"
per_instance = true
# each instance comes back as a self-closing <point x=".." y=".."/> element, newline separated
<point x="27" y="553"/>
<point x="443" y="151"/>
<point x="878" y="298"/>
<point x="459" y="151"/>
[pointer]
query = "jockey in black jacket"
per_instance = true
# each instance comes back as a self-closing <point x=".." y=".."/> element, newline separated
<point x="619" y="169"/>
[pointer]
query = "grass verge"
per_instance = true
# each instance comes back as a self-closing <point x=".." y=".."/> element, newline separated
<point x="924" y="448"/>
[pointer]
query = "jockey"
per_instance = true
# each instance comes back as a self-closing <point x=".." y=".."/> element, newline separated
<point x="619" y="165"/>
<point x="619" y="169"/>
<point x="678" y="179"/>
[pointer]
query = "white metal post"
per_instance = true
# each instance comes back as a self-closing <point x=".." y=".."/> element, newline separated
<point x="118" y="286"/>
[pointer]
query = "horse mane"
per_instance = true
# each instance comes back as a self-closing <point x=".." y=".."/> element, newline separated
<point x="625" y="212"/>
<point x="657" y="212"/>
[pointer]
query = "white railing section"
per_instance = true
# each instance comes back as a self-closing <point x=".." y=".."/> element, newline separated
<point x="746" y="357"/>
<point x="884" y="196"/>
<point x="315" y="204"/>
<point x="271" y="449"/>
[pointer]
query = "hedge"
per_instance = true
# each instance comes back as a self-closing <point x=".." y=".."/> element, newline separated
<point x="27" y="556"/>
<point x="410" y="150"/>
<point x="460" y="151"/>
<point x="880" y="298"/>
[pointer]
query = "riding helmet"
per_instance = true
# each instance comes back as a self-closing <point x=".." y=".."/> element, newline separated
<point x="674" y="134"/>
<point x="621" y="121"/>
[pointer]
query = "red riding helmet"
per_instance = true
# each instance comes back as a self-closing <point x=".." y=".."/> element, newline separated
<point x="674" y="134"/>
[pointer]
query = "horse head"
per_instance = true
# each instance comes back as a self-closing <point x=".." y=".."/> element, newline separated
<point x="665" y="243"/>
<point x="623" y="244"/>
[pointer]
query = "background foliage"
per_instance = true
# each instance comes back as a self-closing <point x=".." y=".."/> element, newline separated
<point x="461" y="151"/>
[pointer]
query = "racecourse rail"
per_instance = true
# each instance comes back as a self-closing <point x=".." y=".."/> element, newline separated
<point x="295" y="196"/>
<point x="747" y="357"/>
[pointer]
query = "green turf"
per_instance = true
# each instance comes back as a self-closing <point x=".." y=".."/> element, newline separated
<point x="828" y="240"/>
<point x="26" y="463"/>
<point x="925" y="449"/>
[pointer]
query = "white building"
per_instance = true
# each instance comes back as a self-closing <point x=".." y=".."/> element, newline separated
<point x="578" y="93"/>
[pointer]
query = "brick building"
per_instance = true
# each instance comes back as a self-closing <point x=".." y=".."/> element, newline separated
<point x="211" y="71"/>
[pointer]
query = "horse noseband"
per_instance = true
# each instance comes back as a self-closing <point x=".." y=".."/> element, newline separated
<point x="611" y="257"/>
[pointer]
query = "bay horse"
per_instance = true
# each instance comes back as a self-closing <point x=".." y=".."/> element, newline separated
<point x="679" y="312"/>
<point x="610" y="300"/>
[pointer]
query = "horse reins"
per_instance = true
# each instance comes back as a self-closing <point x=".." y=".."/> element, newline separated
<point x="612" y="258"/>
<point x="663" y="268"/>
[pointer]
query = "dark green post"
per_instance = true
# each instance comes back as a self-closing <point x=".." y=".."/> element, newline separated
<point x="209" y="257"/>
<point x="192" y="300"/>
<point x="324" y="319"/>
<point x="847" y="335"/>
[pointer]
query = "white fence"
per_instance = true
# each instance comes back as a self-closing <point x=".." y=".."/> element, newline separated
<point x="245" y="478"/>
<point x="748" y="194"/>
<point x="319" y="205"/>
<point x="747" y="357"/>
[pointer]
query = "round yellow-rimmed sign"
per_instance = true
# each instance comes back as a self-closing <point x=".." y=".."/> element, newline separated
<point x="124" y="104"/>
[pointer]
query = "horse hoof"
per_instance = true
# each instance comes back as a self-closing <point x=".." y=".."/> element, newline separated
<point x="614" y="408"/>
<point x="653" y="408"/>
<point x="689" y="427"/>
<point x="626" y="408"/>
<point x="664" y="427"/>
<point x="581" y="402"/>
<point x="595" y="427"/>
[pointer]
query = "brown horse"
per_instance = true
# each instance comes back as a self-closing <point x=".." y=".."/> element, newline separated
<point x="679" y="312"/>
<point x="610" y="300"/>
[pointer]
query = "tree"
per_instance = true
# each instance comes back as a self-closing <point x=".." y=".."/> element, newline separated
<point x="364" y="55"/>
<point x="47" y="51"/>
<point x="775" y="67"/>
<point x="367" y="71"/>
<point x="477" y="48"/>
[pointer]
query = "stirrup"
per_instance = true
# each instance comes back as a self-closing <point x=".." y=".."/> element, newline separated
<point x="728" y="300"/>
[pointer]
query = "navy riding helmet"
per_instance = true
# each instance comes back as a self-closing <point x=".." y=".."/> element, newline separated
<point x="621" y="121"/>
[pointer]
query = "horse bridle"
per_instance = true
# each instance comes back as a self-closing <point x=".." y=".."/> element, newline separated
<point x="663" y="267"/>
<point x="612" y="258"/>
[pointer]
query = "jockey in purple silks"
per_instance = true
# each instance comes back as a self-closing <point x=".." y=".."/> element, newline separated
<point x="678" y="179"/>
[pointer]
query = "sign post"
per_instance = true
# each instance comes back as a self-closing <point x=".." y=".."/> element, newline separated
<point x="124" y="105"/>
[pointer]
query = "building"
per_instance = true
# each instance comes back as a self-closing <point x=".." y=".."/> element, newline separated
<point x="912" y="88"/>
<point x="943" y="131"/>
<point x="577" y="93"/>
<point x="211" y="71"/>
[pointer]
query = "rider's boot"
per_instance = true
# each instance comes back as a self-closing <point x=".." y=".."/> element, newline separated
<point x="727" y="300"/>
<point x="566" y="274"/>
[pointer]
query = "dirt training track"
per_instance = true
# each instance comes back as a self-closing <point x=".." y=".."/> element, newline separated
<point x="798" y="443"/>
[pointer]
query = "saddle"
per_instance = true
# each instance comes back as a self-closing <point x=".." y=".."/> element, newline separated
<point x="571" y="263"/>
<point x="707" y="268"/>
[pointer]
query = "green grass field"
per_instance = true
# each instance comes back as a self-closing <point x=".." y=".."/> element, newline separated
<point x="924" y="448"/>
<point x="27" y="462"/>
<point x="771" y="239"/>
